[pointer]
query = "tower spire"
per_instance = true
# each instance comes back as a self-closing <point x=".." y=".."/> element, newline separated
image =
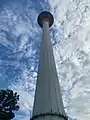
<point x="48" y="103"/>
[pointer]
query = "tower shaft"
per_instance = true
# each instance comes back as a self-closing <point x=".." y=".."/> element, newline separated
<point x="48" y="103"/>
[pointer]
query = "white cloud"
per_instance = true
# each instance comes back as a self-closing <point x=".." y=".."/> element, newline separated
<point x="25" y="103"/>
<point x="72" y="51"/>
<point x="17" y="34"/>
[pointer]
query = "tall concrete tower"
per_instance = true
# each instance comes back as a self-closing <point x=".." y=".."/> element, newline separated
<point x="48" y="103"/>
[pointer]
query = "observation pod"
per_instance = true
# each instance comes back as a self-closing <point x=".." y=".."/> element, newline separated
<point x="48" y="103"/>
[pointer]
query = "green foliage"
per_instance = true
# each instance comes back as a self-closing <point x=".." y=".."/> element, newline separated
<point x="8" y="104"/>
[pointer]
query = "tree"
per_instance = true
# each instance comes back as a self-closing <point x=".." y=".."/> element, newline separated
<point x="8" y="104"/>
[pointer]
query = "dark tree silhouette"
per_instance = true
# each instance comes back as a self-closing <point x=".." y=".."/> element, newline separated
<point x="8" y="104"/>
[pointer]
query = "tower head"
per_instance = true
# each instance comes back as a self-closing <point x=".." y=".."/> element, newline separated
<point x="45" y="16"/>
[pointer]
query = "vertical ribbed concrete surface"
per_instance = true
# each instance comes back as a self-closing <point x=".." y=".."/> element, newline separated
<point x="48" y="103"/>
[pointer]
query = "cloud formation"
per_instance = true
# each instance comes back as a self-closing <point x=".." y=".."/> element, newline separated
<point x="72" y="54"/>
<point x="20" y="38"/>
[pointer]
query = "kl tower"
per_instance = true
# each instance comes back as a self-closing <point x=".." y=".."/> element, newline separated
<point x="48" y="103"/>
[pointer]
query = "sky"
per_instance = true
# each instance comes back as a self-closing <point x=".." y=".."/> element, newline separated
<point x="20" y="38"/>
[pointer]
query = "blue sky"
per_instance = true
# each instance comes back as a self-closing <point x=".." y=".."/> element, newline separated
<point x="20" y="38"/>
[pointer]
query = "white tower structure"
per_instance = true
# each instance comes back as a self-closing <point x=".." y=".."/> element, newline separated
<point x="48" y="103"/>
